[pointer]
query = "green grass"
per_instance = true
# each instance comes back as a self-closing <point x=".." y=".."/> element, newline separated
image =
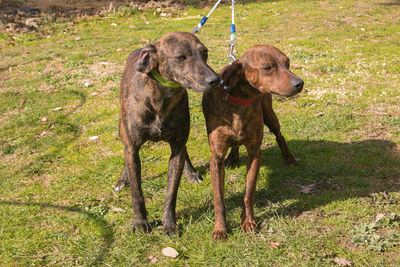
<point x="57" y="206"/>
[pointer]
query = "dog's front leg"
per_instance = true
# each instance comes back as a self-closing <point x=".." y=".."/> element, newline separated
<point x="253" y="167"/>
<point x="217" y="172"/>
<point x="133" y="170"/>
<point x="175" y="168"/>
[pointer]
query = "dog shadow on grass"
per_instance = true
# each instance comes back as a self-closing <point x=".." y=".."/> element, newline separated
<point x="328" y="172"/>
<point x="107" y="230"/>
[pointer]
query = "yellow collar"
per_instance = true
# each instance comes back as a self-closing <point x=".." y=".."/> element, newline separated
<point x="157" y="76"/>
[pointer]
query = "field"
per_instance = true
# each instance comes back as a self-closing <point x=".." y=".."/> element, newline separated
<point x="60" y="152"/>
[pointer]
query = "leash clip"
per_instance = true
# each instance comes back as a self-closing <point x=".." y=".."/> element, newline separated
<point x="232" y="43"/>
<point x="197" y="28"/>
<point x="200" y="25"/>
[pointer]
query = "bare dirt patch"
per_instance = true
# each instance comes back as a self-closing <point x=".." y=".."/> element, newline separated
<point x="27" y="15"/>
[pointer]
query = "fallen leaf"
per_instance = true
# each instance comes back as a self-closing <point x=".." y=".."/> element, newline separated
<point x="113" y="24"/>
<point x="265" y="145"/>
<point x="319" y="72"/>
<point x="75" y="229"/>
<point x="295" y="66"/>
<point x="153" y="259"/>
<point x="342" y="262"/>
<point x="43" y="133"/>
<point x="379" y="217"/>
<point x="116" y="209"/>
<point x="57" y="108"/>
<point x="94" y="93"/>
<point x="44" y="119"/>
<point x="307" y="189"/>
<point x="170" y="252"/>
<point x="273" y="244"/>
<point x="93" y="137"/>
<point x="233" y="177"/>
<point x="144" y="40"/>
<point x="132" y="26"/>
<point x="319" y="114"/>
<point x="22" y="101"/>
<point x="27" y="183"/>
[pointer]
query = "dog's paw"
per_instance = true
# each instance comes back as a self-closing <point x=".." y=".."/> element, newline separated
<point x="292" y="161"/>
<point x="141" y="226"/>
<point x="121" y="184"/>
<point x="193" y="177"/>
<point x="170" y="228"/>
<point x="249" y="225"/>
<point x="219" y="233"/>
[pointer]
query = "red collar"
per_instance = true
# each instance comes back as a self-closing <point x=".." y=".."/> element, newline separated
<point x="236" y="100"/>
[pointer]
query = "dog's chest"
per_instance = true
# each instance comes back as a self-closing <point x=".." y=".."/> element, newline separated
<point x="241" y="129"/>
<point x="163" y="119"/>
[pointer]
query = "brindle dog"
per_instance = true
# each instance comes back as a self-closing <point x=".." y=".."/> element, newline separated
<point x="261" y="70"/>
<point x="153" y="111"/>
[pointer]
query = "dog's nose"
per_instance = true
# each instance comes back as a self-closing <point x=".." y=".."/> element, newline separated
<point x="298" y="84"/>
<point x="212" y="80"/>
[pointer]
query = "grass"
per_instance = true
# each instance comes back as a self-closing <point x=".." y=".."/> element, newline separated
<point x="57" y="206"/>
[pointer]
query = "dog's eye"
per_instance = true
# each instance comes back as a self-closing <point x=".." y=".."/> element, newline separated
<point x="268" y="68"/>
<point x="181" y="58"/>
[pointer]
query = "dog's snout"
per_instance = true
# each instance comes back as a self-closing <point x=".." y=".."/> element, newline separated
<point x="298" y="84"/>
<point x="212" y="80"/>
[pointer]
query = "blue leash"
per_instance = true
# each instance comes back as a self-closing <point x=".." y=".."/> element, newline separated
<point x="204" y="19"/>
<point x="232" y="41"/>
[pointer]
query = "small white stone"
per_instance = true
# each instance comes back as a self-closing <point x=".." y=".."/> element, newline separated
<point x="93" y="137"/>
<point x="170" y="252"/>
<point x="86" y="84"/>
<point x="113" y="24"/>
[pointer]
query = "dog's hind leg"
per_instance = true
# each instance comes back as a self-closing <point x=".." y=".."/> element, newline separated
<point x="175" y="169"/>
<point x="191" y="174"/>
<point x="271" y="120"/>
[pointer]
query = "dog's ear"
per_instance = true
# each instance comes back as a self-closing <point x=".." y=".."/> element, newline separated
<point x="232" y="75"/>
<point x="147" y="59"/>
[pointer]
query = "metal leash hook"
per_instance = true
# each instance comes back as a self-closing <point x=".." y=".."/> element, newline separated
<point x="232" y="43"/>
<point x="200" y="25"/>
<point x="231" y="56"/>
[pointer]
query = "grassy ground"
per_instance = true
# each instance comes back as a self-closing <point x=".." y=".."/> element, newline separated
<point x="57" y="206"/>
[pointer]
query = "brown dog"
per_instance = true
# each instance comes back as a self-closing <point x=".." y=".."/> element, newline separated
<point x="154" y="106"/>
<point x="235" y="112"/>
